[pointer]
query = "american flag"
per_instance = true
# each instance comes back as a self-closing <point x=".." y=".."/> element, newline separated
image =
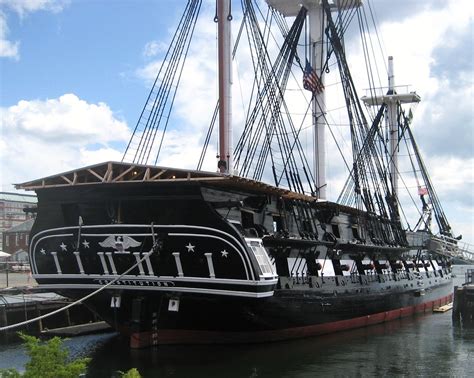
<point x="422" y="191"/>
<point x="311" y="81"/>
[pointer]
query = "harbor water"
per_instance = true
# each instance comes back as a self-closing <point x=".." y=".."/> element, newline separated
<point x="422" y="346"/>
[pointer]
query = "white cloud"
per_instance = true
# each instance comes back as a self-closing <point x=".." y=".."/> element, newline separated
<point x="90" y="157"/>
<point x="10" y="49"/>
<point x="42" y="137"/>
<point x="180" y="150"/>
<point x="195" y="99"/>
<point x="149" y="72"/>
<point x="67" y="119"/>
<point x="455" y="178"/>
<point x="197" y="92"/>
<point x="153" y="48"/>
<point x="22" y="7"/>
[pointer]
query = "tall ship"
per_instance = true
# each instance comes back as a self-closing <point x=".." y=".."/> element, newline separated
<point x="255" y="251"/>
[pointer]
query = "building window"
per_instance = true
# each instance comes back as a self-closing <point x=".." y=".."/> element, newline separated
<point x="7" y="240"/>
<point x="26" y="239"/>
<point x="16" y="239"/>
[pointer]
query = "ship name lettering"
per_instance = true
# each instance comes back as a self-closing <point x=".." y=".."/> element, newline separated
<point x="138" y="283"/>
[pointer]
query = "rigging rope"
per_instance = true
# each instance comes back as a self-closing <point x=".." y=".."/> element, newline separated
<point x="157" y="110"/>
<point x="17" y="325"/>
<point x="266" y="134"/>
<point x="370" y="183"/>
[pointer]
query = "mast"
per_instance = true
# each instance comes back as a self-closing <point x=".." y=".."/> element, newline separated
<point x="224" y="19"/>
<point x="317" y="23"/>
<point x="316" y="26"/>
<point x="392" y="126"/>
<point x="393" y="100"/>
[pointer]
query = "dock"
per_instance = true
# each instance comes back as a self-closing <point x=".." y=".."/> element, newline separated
<point x="24" y="303"/>
<point x="463" y="308"/>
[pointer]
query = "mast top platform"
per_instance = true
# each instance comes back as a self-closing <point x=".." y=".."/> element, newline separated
<point x="390" y="95"/>
<point x="393" y="97"/>
<point x="290" y="8"/>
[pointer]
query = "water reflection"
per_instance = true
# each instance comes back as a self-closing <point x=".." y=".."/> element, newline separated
<point x="421" y="346"/>
<point x="426" y="345"/>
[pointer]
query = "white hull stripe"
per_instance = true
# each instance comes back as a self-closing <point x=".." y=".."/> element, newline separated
<point x="157" y="279"/>
<point x="159" y="288"/>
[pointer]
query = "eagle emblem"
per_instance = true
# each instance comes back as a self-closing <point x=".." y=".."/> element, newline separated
<point x="120" y="243"/>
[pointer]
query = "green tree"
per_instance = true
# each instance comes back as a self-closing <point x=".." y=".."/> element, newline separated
<point x="132" y="373"/>
<point x="48" y="359"/>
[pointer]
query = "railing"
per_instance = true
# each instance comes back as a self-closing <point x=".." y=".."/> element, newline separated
<point x="442" y="245"/>
<point x="456" y="248"/>
<point x="381" y="91"/>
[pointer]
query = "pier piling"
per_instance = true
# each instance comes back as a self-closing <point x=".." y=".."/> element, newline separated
<point x="463" y="307"/>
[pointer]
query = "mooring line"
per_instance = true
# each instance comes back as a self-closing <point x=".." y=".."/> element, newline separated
<point x="17" y="325"/>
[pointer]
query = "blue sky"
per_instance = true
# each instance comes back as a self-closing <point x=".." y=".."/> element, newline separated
<point x="74" y="75"/>
<point x="91" y="48"/>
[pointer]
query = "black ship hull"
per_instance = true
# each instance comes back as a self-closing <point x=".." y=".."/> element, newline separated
<point x="200" y="319"/>
<point x="195" y="262"/>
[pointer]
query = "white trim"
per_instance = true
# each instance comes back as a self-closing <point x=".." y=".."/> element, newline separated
<point x="111" y="261"/>
<point x="140" y="266"/>
<point x="56" y="262"/>
<point x="135" y="226"/>
<point x="33" y="246"/>
<point x="225" y="241"/>
<point x="179" y="267"/>
<point x="228" y="281"/>
<point x="34" y="243"/>
<point x="210" y="265"/>
<point x="104" y="264"/>
<point x="160" y="288"/>
<point x="148" y="264"/>
<point x="79" y="262"/>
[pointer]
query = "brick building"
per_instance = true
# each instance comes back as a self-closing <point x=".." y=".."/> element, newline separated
<point x="12" y="214"/>
<point x="16" y="241"/>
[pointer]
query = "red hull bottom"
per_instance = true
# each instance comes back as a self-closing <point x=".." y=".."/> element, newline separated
<point x="176" y="336"/>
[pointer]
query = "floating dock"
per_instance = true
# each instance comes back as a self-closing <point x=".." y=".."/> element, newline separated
<point x="78" y="330"/>
<point x="444" y="308"/>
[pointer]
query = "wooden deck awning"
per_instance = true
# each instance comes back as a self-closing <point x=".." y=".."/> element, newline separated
<point x="123" y="173"/>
